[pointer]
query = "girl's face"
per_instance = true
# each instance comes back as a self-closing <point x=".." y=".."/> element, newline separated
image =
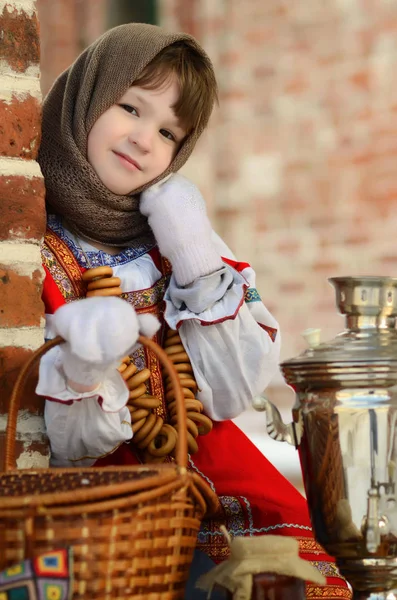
<point x="135" y="140"/>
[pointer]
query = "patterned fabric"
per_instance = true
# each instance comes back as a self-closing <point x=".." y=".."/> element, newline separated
<point x="252" y="295"/>
<point x="47" y="577"/>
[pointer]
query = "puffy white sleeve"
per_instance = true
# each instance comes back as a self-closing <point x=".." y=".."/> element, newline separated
<point x="233" y="342"/>
<point x="82" y="427"/>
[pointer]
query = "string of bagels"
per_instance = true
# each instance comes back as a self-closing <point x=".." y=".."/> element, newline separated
<point x="155" y="437"/>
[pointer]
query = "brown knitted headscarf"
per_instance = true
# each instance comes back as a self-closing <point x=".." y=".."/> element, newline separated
<point x="96" y="81"/>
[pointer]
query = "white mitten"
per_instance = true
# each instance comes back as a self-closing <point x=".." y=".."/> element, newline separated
<point x="98" y="331"/>
<point x="177" y="215"/>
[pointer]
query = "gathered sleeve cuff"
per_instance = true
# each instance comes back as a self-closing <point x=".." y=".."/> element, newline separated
<point x="111" y="394"/>
<point x="209" y="300"/>
<point x="82" y="427"/>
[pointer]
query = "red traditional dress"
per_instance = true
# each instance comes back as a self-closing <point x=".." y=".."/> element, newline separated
<point x="254" y="497"/>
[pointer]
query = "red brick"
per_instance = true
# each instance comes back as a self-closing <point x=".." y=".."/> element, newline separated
<point x="22" y="208"/>
<point x="297" y="85"/>
<point x="328" y="267"/>
<point x="20" y="128"/>
<point x="389" y="260"/>
<point x="11" y="361"/>
<point x="230" y="58"/>
<point x="361" y="80"/>
<point x="20" y="41"/>
<point x="288" y="247"/>
<point x="292" y="287"/>
<point x="356" y="239"/>
<point x="20" y="298"/>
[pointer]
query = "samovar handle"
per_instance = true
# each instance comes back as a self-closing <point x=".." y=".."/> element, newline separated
<point x="275" y="426"/>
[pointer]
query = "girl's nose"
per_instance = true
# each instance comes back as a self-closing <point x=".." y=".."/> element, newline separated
<point x="142" y="137"/>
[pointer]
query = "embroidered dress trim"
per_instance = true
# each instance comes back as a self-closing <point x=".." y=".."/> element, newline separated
<point x="97" y="258"/>
<point x="326" y="568"/>
<point x="64" y="269"/>
<point x="252" y="295"/>
<point x="62" y="266"/>
<point x="142" y="299"/>
<point x="315" y="592"/>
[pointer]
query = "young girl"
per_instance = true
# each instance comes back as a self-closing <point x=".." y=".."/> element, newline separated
<point x="117" y="126"/>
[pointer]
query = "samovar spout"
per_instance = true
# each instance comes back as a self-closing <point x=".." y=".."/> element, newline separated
<point x="275" y="426"/>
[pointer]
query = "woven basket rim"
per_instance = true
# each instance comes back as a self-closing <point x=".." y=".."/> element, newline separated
<point x="188" y="494"/>
<point x="157" y="475"/>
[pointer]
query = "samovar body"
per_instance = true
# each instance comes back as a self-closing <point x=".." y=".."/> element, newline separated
<point x="345" y="429"/>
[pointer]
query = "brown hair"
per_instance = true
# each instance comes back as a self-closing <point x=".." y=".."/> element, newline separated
<point x="194" y="73"/>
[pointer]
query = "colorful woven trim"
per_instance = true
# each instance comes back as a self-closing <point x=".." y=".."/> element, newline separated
<point x="252" y="295"/>
<point x="47" y="577"/>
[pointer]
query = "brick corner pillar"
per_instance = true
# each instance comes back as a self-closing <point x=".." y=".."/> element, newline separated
<point x="22" y="223"/>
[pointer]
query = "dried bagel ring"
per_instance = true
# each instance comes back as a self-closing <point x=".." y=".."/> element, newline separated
<point x="203" y="422"/>
<point x="192" y="428"/>
<point x="137" y="392"/>
<point x="167" y="433"/>
<point x="190" y="404"/>
<point x="97" y="272"/>
<point x="184" y="368"/>
<point x="113" y="291"/>
<point x="138" y="378"/>
<point x="145" y="429"/>
<point x="182" y="376"/>
<point x="187" y="393"/>
<point x="181" y="368"/>
<point x="174" y="349"/>
<point x="152" y="433"/>
<point x="146" y="401"/>
<point x="190" y="425"/>
<point x="136" y="426"/>
<point x="191" y="444"/>
<point x="181" y="357"/>
<point x="171" y="332"/>
<point x="188" y="382"/>
<point x="138" y="414"/>
<point x="175" y="339"/>
<point x="130" y="370"/>
<point x="106" y="282"/>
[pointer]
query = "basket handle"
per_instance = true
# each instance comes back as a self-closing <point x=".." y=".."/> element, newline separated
<point x="181" y="446"/>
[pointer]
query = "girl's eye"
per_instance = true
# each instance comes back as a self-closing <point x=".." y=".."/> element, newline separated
<point x="167" y="134"/>
<point x="129" y="109"/>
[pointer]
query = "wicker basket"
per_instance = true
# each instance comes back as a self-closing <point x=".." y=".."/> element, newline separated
<point x="132" y="529"/>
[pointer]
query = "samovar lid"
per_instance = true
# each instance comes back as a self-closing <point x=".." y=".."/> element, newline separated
<point x="368" y="344"/>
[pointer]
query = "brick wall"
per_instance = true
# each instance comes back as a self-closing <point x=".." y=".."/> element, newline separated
<point x="22" y="221"/>
<point x="66" y="28"/>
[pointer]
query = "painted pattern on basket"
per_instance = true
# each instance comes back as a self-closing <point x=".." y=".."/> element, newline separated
<point x="47" y="577"/>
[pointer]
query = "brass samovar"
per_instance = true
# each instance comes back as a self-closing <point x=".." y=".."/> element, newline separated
<point x="345" y="429"/>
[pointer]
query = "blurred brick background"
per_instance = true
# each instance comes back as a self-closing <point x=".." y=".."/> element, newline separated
<point x="299" y="164"/>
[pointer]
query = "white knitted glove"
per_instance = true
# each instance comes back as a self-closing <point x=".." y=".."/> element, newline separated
<point x="177" y="215"/>
<point x="98" y="331"/>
